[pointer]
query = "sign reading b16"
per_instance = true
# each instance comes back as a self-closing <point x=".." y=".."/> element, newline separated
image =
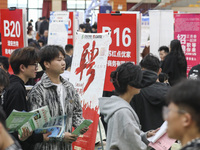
<point x="11" y="31"/>
<point x="123" y="47"/>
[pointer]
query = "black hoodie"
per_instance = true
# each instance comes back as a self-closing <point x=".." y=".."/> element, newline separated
<point x="148" y="105"/>
<point x="15" y="98"/>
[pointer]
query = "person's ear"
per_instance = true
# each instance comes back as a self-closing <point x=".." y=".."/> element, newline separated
<point x="186" y="119"/>
<point x="22" y="68"/>
<point x="47" y="64"/>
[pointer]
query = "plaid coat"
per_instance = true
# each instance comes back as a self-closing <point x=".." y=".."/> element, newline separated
<point x="45" y="93"/>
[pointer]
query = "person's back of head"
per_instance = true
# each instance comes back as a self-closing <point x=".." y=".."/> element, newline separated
<point x="163" y="77"/>
<point x="69" y="48"/>
<point x="82" y="27"/>
<point x="49" y="53"/>
<point x="4" y="80"/>
<point x="177" y="51"/>
<point x="150" y="62"/>
<point x="4" y="63"/>
<point x="24" y="56"/>
<point x="87" y="20"/>
<point x="185" y="98"/>
<point x="130" y="74"/>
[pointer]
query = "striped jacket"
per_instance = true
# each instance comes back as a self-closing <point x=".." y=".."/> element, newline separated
<point x="45" y="93"/>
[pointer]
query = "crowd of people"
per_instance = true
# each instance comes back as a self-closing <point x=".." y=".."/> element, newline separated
<point x="145" y="95"/>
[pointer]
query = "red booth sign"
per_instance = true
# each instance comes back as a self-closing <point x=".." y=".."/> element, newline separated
<point x="11" y="30"/>
<point x="123" y="47"/>
<point x="70" y="28"/>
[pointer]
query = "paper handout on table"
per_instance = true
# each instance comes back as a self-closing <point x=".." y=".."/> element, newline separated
<point x="161" y="141"/>
<point x="84" y="124"/>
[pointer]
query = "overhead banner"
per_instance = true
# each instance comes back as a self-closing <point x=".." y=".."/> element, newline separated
<point x="161" y="29"/>
<point x="11" y="30"/>
<point x="87" y="76"/>
<point x="187" y="30"/>
<point x="58" y="28"/>
<point x="123" y="47"/>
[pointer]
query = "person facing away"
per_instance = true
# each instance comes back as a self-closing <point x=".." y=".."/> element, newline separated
<point x="149" y="102"/>
<point x="163" y="52"/>
<point x="24" y="64"/>
<point x="82" y="28"/>
<point x="44" y="37"/>
<point x="175" y="64"/>
<point x="4" y="64"/>
<point x="58" y="94"/>
<point x="183" y="114"/>
<point x="123" y="125"/>
<point x="7" y="142"/>
<point x="4" y="82"/>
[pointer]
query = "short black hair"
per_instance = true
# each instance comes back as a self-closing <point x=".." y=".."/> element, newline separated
<point x="49" y="53"/>
<point x="150" y="62"/>
<point x="123" y="75"/>
<point x="68" y="47"/>
<point x="163" y="77"/>
<point x="4" y="80"/>
<point x="87" y="20"/>
<point x="2" y="117"/>
<point x="186" y="96"/>
<point x="81" y="26"/>
<point x="25" y="56"/>
<point x="164" y="48"/>
<point x="5" y="63"/>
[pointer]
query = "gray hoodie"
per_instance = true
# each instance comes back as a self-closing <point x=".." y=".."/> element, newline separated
<point x="123" y="125"/>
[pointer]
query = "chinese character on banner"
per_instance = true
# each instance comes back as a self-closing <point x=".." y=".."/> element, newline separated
<point x="91" y="55"/>
<point x="188" y="37"/>
<point x="87" y="75"/>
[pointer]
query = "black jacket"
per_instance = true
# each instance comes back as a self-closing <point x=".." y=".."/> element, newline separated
<point x="194" y="72"/>
<point x="148" y="105"/>
<point x="15" y="98"/>
<point x="171" y="67"/>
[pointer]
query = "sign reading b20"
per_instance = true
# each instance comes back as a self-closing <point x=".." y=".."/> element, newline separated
<point x="11" y="30"/>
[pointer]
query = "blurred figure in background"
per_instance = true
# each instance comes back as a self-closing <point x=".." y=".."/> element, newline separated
<point x="175" y="64"/>
<point x="163" y="51"/>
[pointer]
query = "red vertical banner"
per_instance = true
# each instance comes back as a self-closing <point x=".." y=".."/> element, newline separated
<point x="123" y="47"/>
<point x="187" y="30"/>
<point x="11" y="30"/>
<point x="70" y="28"/>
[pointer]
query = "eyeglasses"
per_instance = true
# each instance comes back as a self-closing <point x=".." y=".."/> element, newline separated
<point x="166" y="110"/>
<point x="35" y="64"/>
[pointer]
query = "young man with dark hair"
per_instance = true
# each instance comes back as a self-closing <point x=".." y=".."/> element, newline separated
<point x="149" y="102"/>
<point x="58" y="94"/>
<point x="24" y="64"/>
<point x="163" y="51"/>
<point x="4" y="64"/>
<point x="183" y="114"/>
<point x="7" y="142"/>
